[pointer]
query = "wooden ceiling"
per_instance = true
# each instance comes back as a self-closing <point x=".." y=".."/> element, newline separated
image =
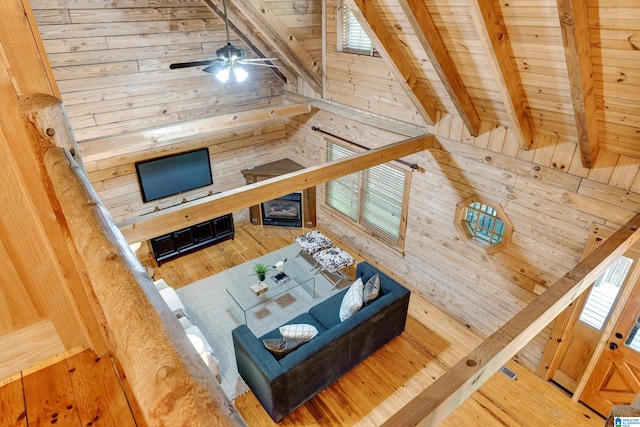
<point x="549" y="67"/>
<point x="543" y="68"/>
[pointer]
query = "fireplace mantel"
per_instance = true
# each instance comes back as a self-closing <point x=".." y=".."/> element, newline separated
<point x="277" y="168"/>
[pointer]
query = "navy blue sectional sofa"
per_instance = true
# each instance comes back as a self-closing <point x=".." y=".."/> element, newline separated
<point x="283" y="385"/>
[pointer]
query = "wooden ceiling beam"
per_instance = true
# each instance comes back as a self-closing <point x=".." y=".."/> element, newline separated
<point x="285" y="44"/>
<point x="244" y="33"/>
<point x="196" y="211"/>
<point x="493" y="36"/>
<point x="388" y="46"/>
<point x="425" y="29"/>
<point x="574" y="23"/>
<point x="436" y="402"/>
<point x="98" y="149"/>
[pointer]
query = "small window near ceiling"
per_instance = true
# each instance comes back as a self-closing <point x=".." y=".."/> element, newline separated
<point x="352" y="37"/>
<point x="483" y="223"/>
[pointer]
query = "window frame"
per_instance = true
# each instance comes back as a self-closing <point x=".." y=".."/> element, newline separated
<point x="343" y="13"/>
<point x="358" y="221"/>
<point x="461" y="224"/>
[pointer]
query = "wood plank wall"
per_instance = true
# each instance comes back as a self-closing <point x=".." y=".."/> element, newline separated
<point x="112" y="64"/>
<point x="303" y="19"/>
<point x="550" y="207"/>
<point x="115" y="179"/>
<point x="361" y="81"/>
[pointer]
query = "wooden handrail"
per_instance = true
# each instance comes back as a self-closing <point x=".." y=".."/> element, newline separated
<point x="172" y="385"/>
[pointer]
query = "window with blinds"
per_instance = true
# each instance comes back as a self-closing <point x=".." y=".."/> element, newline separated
<point x="373" y="198"/>
<point x="354" y="39"/>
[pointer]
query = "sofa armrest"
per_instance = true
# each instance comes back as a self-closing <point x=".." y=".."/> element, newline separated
<point x="263" y="374"/>
<point x="245" y="342"/>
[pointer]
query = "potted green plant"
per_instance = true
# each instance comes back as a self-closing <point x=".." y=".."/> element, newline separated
<point x="261" y="269"/>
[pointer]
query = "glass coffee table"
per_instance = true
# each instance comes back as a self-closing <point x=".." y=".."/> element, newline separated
<point x="243" y="299"/>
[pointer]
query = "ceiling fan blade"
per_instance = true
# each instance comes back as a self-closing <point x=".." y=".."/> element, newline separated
<point x="258" y="59"/>
<point x="192" y="64"/>
<point x="257" y="64"/>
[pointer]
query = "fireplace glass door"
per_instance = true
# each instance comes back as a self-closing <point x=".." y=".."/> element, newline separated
<point x="283" y="211"/>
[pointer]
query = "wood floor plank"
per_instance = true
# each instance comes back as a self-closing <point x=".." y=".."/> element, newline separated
<point x="12" y="410"/>
<point x="99" y="402"/>
<point x="49" y="397"/>
<point x="376" y="388"/>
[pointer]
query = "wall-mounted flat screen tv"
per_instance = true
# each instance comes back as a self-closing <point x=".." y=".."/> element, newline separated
<point x="175" y="174"/>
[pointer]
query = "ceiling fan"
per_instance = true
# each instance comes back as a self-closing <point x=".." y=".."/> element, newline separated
<point x="226" y="67"/>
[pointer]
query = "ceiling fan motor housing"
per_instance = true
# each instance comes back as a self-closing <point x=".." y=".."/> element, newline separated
<point x="229" y="51"/>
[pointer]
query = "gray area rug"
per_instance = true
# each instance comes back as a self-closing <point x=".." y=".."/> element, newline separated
<point x="208" y="306"/>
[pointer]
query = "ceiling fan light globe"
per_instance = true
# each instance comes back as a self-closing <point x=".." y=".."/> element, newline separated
<point x="240" y="74"/>
<point x="215" y="68"/>
<point x="223" y="75"/>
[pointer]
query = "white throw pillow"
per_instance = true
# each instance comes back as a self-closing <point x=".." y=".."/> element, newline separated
<point x="352" y="300"/>
<point x="372" y="288"/>
<point x="299" y="330"/>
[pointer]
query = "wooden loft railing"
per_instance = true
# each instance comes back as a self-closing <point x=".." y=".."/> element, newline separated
<point x="167" y="377"/>
<point x="169" y="380"/>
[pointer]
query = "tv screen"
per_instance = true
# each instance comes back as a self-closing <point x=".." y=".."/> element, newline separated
<point x="175" y="174"/>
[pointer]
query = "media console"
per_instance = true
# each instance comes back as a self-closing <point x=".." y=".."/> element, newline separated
<point x="176" y="243"/>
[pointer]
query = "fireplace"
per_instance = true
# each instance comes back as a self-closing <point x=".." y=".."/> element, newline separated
<point x="271" y="170"/>
<point x="283" y="211"/>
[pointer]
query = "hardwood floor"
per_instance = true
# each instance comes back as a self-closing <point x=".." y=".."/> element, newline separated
<point x="367" y="395"/>
<point x="378" y="387"/>
<point x="80" y="389"/>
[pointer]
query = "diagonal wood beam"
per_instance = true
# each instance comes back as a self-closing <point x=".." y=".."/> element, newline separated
<point x="495" y="41"/>
<point x="372" y="23"/>
<point x="574" y="23"/>
<point x="194" y="212"/>
<point x="425" y="28"/>
<point x="244" y="33"/>
<point x="275" y="32"/>
<point x="437" y="401"/>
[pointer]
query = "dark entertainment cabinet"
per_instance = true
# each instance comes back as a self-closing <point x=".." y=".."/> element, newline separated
<point x="188" y="239"/>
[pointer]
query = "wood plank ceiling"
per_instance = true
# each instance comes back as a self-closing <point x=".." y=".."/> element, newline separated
<point x="549" y="67"/>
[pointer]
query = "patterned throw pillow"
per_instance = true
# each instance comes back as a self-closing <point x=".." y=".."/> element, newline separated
<point x="352" y="300"/>
<point x="371" y="289"/>
<point x="280" y="347"/>
<point x="299" y="331"/>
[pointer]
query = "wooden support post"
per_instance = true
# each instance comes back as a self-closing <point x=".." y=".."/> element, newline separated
<point x="168" y="378"/>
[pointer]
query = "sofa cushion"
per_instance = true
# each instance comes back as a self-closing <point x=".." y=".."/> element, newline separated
<point x="280" y="347"/>
<point x="352" y="300"/>
<point x="327" y="311"/>
<point x="299" y="331"/>
<point x="304" y="318"/>
<point x="371" y="289"/>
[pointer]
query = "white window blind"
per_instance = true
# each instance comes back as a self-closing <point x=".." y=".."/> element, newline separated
<point x="342" y="193"/>
<point x="604" y="293"/>
<point x="381" y="201"/>
<point x="354" y="39"/>
<point x="373" y="198"/>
